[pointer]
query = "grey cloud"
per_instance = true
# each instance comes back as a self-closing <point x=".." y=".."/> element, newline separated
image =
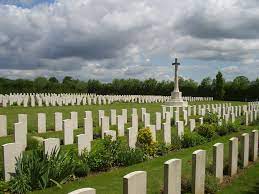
<point x="108" y="39"/>
<point x="238" y="21"/>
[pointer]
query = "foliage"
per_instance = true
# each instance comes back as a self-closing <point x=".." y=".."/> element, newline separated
<point x="222" y="130"/>
<point x="207" y="131"/>
<point x="186" y="185"/>
<point x="192" y="139"/>
<point x="162" y="149"/>
<point x="232" y="127"/>
<point x="239" y="89"/>
<point x="20" y="184"/>
<point x="211" y="185"/>
<point x="33" y="143"/>
<point x="100" y="159"/>
<point x="219" y="88"/>
<point x="210" y="118"/>
<point x="144" y="137"/>
<point x="81" y="168"/>
<point x="108" y="153"/>
<point x="130" y="156"/>
<point x="145" y="142"/>
<point x="176" y="143"/>
<point x="36" y="170"/>
<point x="4" y="186"/>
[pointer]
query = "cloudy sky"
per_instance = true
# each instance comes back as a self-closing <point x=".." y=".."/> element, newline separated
<point x="106" y="39"/>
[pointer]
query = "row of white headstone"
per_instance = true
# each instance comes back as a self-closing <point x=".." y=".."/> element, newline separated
<point x="20" y="128"/>
<point x="85" y="139"/>
<point x="223" y="110"/>
<point x="136" y="182"/>
<point x="33" y="100"/>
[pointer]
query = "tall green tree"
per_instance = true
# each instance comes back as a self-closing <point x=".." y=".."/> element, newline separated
<point x="205" y="88"/>
<point x="219" y="89"/>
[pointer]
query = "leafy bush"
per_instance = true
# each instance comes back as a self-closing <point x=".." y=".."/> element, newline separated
<point x="35" y="170"/>
<point x="129" y="156"/>
<point x="162" y="149"/>
<point x="144" y="137"/>
<point x="176" y="143"/>
<point x="81" y="168"/>
<point x="192" y="139"/>
<point x="100" y="159"/>
<point x="34" y="143"/>
<point x="222" y="130"/>
<point x="145" y="142"/>
<point x="4" y="187"/>
<point x="232" y="127"/>
<point x="241" y="120"/>
<point x="211" y="185"/>
<point x="108" y="153"/>
<point x="186" y="185"/>
<point x="20" y="184"/>
<point x="210" y="118"/>
<point x="206" y="130"/>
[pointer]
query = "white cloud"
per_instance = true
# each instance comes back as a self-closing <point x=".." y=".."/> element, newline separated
<point x="231" y="69"/>
<point x="105" y="39"/>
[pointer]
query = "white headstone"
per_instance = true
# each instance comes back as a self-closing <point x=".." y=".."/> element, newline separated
<point x="51" y="145"/>
<point x="41" y="123"/>
<point x="58" y="121"/>
<point x="68" y="132"/>
<point x="84" y="143"/>
<point x="11" y="151"/>
<point x="158" y="121"/>
<point x="120" y="123"/>
<point x="3" y="125"/>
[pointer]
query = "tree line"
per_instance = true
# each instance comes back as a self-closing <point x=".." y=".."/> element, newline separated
<point x="240" y="88"/>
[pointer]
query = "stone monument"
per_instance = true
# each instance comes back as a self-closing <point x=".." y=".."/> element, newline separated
<point x="176" y="96"/>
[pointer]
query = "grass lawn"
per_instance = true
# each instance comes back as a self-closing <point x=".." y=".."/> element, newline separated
<point x="111" y="182"/>
<point x="12" y="117"/>
<point x="107" y="182"/>
<point x="12" y="112"/>
<point x="246" y="183"/>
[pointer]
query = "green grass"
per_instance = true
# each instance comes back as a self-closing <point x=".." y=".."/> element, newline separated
<point x="246" y="183"/>
<point x="12" y="113"/>
<point x="111" y="182"/>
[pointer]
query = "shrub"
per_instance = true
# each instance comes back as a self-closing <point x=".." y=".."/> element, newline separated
<point x="186" y="185"/>
<point x="35" y="170"/>
<point x="209" y="168"/>
<point x="20" y="184"/>
<point x="144" y="137"/>
<point x="192" y="139"/>
<point x="176" y="143"/>
<point x="100" y="159"/>
<point x="145" y="142"/>
<point x="211" y="185"/>
<point x="210" y="118"/>
<point x="232" y="127"/>
<point x="222" y="130"/>
<point x="162" y="149"/>
<point x="241" y="120"/>
<point x="129" y="156"/>
<point x="81" y="168"/>
<point x="4" y="187"/>
<point x="206" y="130"/>
<point x="34" y="143"/>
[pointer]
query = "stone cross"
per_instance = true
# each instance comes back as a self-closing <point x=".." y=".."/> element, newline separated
<point x="176" y="86"/>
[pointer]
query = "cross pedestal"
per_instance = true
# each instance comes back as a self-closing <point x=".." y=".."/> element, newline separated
<point x="176" y="96"/>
